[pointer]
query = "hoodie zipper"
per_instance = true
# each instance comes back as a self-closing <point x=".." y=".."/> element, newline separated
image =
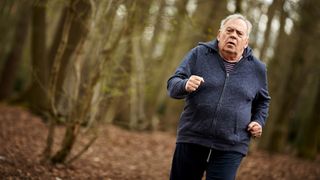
<point x="227" y="76"/>
<point x="214" y="121"/>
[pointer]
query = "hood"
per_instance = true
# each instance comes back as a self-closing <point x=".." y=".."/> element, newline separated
<point x="213" y="46"/>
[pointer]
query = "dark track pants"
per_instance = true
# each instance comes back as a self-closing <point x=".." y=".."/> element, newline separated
<point x="190" y="161"/>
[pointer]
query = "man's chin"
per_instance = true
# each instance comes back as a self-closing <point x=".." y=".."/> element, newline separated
<point x="230" y="51"/>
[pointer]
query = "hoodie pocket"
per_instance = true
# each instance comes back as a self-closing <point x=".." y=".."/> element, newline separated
<point x="231" y="125"/>
<point x="226" y="128"/>
<point x="199" y="121"/>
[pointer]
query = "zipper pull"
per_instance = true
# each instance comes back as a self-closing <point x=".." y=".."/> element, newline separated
<point x="209" y="155"/>
<point x="227" y="75"/>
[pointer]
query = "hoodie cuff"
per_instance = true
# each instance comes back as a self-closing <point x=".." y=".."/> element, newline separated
<point x="259" y="122"/>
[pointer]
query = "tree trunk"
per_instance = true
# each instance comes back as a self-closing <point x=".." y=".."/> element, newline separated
<point x="112" y="65"/>
<point x="57" y="37"/>
<point x="72" y="17"/>
<point x="36" y="94"/>
<point x="52" y="84"/>
<point x="14" y="57"/>
<point x="308" y="110"/>
<point x="254" y="19"/>
<point x="80" y="108"/>
<point x="133" y="66"/>
<point x="302" y="60"/>
<point x="158" y="28"/>
<point x="8" y="18"/>
<point x="67" y="144"/>
<point x="308" y="138"/>
<point x="166" y="64"/>
<point x="272" y="10"/>
<point x="207" y="22"/>
<point x="137" y="98"/>
<point x="80" y="11"/>
<point x="278" y="72"/>
<point x="238" y="6"/>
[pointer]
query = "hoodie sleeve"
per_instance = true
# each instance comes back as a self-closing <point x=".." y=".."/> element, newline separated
<point x="177" y="82"/>
<point x="260" y="106"/>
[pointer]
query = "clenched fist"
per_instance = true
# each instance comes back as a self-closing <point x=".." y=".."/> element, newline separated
<point x="193" y="83"/>
<point x="255" y="129"/>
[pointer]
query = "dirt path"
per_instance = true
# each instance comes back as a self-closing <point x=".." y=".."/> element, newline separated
<point x="119" y="155"/>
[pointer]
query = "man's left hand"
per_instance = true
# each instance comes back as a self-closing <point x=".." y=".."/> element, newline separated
<point x="255" y="129"/>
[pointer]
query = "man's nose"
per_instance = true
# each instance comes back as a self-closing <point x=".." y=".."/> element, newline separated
<point x="233" y="36"/>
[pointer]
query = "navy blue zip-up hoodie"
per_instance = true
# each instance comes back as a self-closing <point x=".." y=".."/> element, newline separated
<point x="217" y="114"/>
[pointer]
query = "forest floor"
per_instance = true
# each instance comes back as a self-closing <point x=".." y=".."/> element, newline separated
<point x="119" y="154"/>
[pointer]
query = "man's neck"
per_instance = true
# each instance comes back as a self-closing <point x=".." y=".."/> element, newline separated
<point x="228" y="58"/>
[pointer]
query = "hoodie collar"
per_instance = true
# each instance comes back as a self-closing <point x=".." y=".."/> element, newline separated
<point x="213" y="45"/>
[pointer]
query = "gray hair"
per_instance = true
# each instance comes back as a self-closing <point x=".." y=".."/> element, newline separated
<point x="237" y="16"/>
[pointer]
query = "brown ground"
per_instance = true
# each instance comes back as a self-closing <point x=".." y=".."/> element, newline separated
<point x="119" y="155"/>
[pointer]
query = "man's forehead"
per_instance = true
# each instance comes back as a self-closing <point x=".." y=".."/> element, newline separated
<point x="237" y="24"/>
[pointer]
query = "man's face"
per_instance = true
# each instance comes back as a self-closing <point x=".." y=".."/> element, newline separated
<point x="233" y="38"/>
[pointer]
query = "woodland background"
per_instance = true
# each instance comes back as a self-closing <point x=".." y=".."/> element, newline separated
<point x="80" y="65"/>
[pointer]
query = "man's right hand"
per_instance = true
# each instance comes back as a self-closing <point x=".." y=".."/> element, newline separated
<point x="193" y="83"/>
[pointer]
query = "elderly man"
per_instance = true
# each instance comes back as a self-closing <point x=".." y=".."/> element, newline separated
<point x="227" y="101"/>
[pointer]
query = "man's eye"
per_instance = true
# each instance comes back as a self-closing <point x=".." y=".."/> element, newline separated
<point x="239" y="33"/>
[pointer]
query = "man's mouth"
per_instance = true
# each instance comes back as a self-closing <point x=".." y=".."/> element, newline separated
<point x="232" y="43"/>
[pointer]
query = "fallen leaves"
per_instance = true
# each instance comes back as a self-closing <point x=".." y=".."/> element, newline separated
<point x="118" y="154"/>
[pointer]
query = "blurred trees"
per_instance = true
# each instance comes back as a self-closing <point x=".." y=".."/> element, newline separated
<point x="291" y="113"/>
<point x="80" y="62"/>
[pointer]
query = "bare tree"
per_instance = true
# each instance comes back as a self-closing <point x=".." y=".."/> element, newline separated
<point x="76" y="20"/>
<point x="13" y="59"/>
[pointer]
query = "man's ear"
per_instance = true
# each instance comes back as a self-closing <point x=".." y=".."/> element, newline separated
<point x="247" y="43"/>
<point x="218" y="35"/>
